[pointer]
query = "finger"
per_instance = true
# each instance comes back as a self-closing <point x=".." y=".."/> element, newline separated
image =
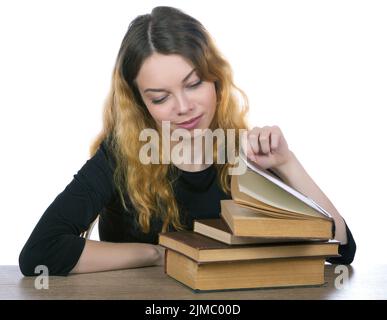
<point x="250" y="151"/>
<point x="274" y="141"/>
<point x="264" y="142"/>
<point x="253" y="139"/>
<point x="245" y="147"/>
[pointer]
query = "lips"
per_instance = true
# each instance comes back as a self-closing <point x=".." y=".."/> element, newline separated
<point x="189" y="121"/>
<point x="190" y="124"/>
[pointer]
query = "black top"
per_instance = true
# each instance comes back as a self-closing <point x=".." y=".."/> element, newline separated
<point x="56" y="242"/>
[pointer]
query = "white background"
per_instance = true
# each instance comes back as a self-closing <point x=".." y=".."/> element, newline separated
<point x="317" y="69"/>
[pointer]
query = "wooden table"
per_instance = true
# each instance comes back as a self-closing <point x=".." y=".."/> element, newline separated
<point x="364" y="282"/>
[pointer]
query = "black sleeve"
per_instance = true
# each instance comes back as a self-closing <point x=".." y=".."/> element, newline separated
<point x="347" y="251"/>
<point x="55" y="241"/>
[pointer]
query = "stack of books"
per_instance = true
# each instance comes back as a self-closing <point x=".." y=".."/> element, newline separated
<point x="269" y="235"/>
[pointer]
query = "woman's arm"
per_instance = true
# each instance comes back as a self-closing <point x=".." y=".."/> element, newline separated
<point x="55" y="241"/>
<point x="104" y="256"/>
<point x="268" y="148"/>
<point x="294" y="174"/>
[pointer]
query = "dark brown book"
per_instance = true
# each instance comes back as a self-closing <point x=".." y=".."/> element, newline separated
<point x="203" y="249"/>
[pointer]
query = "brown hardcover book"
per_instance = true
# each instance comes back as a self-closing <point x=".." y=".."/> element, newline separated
<point x="247" y="274"/>
<point x="203" y="249"/>
<point x="219" y="230"/>
<point x="250" y="222"/>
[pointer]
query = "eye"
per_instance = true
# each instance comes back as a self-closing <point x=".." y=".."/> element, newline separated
<point x="195" y="84"/>
<point x="159" y="101"/>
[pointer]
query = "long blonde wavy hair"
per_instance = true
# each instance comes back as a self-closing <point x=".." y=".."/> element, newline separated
<point x="165" y="30"/>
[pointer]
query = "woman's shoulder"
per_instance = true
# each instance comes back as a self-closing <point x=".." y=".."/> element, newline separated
<point x="104" y="155"/>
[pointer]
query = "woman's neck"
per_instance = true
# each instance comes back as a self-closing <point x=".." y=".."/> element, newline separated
<point x="197" y="161"/>
<point x="192" y="167"/>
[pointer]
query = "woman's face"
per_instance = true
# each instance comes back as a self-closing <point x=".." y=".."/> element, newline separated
<point x="172" y="91"/>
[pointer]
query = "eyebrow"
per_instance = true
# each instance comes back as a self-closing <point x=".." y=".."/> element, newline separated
<point x="162" y="90"/>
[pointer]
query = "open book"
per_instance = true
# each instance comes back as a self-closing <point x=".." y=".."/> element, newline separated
<point x="260" y="189"/>
<point x="262" y="194"/>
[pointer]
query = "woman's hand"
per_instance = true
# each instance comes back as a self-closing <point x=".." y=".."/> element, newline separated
<point x="267" y="147"/>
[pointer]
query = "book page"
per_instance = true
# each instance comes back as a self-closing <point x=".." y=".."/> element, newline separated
<point x="269" y="191"/>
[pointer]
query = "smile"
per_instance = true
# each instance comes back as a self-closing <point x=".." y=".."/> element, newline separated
<point x="190" y="124"/>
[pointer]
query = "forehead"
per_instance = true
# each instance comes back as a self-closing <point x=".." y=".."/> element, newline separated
<point x="160" y="70"/>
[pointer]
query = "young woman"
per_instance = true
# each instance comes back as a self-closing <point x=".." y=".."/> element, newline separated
<point x="168" y="70"/>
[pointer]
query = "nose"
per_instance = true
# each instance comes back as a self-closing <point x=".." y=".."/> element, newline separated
<point x="183" y="104"/>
